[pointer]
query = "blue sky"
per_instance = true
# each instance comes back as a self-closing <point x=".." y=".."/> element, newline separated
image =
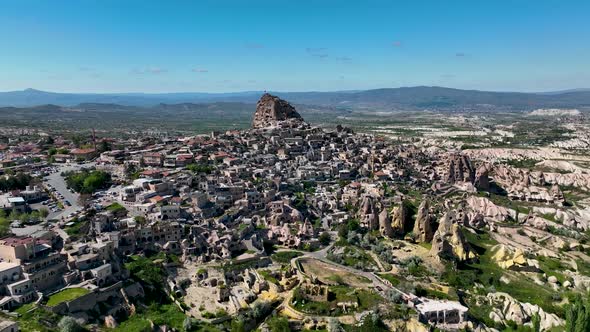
<point x="297" y="45"/>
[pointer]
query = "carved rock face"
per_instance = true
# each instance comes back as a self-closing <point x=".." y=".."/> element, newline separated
<point x="460" y="169"/>
<point x="272" y="111"/>
<point x="401" y="221"/>
<point x="385" y="224"/>
<point x="368" y="213"/>
<point x="424" y="225"/>
<point x="448" y="242"/>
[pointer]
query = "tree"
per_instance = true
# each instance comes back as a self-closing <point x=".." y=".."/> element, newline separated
<point x="237" y="325"/>
<point x="130" y="170"/>
<point x="324" y="238"/>
<point x="69" y="324"/>
<point x="87" y="182"/>
<point x="577" y="315"/>
<point x="200" y="168"/>
<point x="14" y="215"/>
<point x="260" y="309"/>
<point x="35" y="216"/>
<point x="334" y="325"/>
<point x="4" y="225"/>
<point x="43" y="213"/>
<point x="18" y="181"/>
<point x="104" y="146"/>
<point x="78" y="139"/>
<point x="279" y="324"/>
<point x="189" y="324"/>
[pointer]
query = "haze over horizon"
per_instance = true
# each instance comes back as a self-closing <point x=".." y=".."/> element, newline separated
<point x="231" y="46"/>
<point x="30" y="89"/>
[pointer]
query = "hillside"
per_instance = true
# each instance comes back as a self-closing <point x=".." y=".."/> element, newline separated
<point x="388" y="98"/>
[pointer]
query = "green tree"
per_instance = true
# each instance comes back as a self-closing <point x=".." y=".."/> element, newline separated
<point x="43" y="213"/>
<point x="69" y="324"/>
<point x="104" y="146"/>
<point x="87" y="182"/>
<point x="4" y="225"/>
<point x="14" y="215"/>
<point x="237" y="325"/>
<point x="35" y="215"/>
<point x="189" y="324"/>
<point x="324" y="238"/>
<point x="577" y="315"/>
<point x="78" y="139"/>
<point x="278" y="324"/>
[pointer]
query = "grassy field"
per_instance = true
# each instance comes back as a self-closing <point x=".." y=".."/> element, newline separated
<point x="285" y="257"/>
<point x="391" y="278"/>
<point x="488" y="273"/>
<point x="33" y="319"/>
<point x="167" y="314"/>
<point x="366" y="299"/>
<point x="66" y="295"/>
<point x="330" y="274"/>
<point x="354" y="257"/>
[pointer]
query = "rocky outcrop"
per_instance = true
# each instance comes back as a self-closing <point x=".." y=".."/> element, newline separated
<point x="368" y="214"/>
<point x="482" y="180"/>
<point x="385" y="224"/>
<point x="530" y="186"/>
<point x="506" y="308"/>
<point x="487" y="208"/>
<point x="459" y="169"/>
<point x="448" y="242"/>
<point x="272" y="111"/>
<point x="424" y="224"/>
<point x="401" y="219"/>
<point x="110" y="322"/>
<point x="478" y="221"/>
<point x="507" y="257"/>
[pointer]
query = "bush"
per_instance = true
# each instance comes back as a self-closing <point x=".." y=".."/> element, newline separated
<point x="69" y="324"/>
<point x="325" y="238"/>
<point x="278" y="324"/>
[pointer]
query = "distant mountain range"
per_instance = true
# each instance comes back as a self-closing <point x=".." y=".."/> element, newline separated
<point x="420" y="97"/>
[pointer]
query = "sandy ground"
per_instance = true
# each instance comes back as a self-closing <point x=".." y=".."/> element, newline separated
<point x="324" y="271"/>
<point x="198" y="297"/>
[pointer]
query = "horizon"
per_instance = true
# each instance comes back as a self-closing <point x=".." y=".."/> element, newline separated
<point x="110" y="47"/>
<point x="567" y="90"/>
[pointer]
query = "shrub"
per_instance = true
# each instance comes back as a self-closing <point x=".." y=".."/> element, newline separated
<point x="69" y="324"/>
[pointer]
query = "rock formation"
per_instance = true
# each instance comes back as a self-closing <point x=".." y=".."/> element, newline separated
<point x="507" y="257"/>
<point x="459" y="169"/>
<point x="401" y="219"/>
<point x="448" y="241"/>
<point x="530" y="186"/>
<point x="368" y="214"/>
<point x="506" y="308"/>
<point x="271" y="111"/>
<point x="482" y="180"/>
<point x="424" y="224"/>
<point x="110" y="322"/>
<point x="487" y="208"/>
<point x="385" y="224"/>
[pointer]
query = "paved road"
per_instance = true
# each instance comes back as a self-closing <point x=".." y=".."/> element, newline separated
<point x="58" y="182"/>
